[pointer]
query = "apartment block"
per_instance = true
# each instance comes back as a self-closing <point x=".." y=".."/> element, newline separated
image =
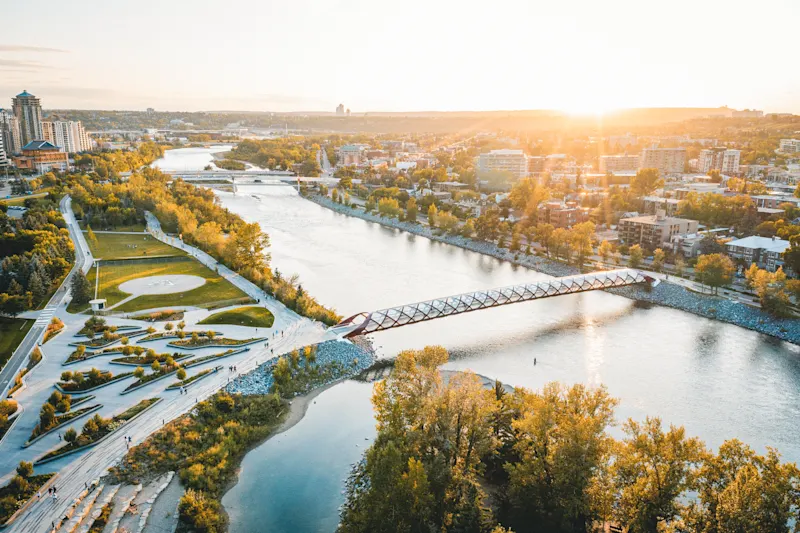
<point x="513" y="161"/>
<point x="69" y="136"/>
<point x="653" y="231"/>
<point x="666" y="160"/>
<point x="726" y="161"/>
<point x="618" y="163"/>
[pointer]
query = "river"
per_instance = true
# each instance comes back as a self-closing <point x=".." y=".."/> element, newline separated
<point x="718" y="380"/>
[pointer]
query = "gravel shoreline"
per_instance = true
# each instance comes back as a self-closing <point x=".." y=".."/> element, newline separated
<point x="344" y="352"/>
<point x="666" y="294"/>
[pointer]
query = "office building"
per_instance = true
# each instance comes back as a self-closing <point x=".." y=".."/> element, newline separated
<point x="10" y="132"/>
<point x="789" y="146"/>
<point x="766" y="252"/>
<point x="726" y="161"/>
<point x="653" y="231"/>
<point x="618" y="163"/>
<point x="69" y="136"/>
<point x="666" y="160"/>
<point x="41" y="157"/>
<point x="28" y="110"/>
<point x="512" y="161"/>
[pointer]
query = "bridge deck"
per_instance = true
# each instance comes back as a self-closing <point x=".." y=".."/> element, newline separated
<point x="394" y="317"/>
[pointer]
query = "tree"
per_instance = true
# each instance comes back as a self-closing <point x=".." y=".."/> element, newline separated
<point x="739" y="490"/>
<point x="210" y="334"/>
<point x="562" y="447"/>
<point x="70" y="435"/>
<point x="168" y="326"/>
<point x="155" y="367"/>
<point x="580" y="240"/>
<point x="25" y="469"/>
<point x="47" y="417"/>
<point x="679" y="266"/>
<point x="432" y="215"/>
<point x="411" y="210"/>
<point x="658" y="259"/>
<point x="246" y="249"/>
<point x="635" y="256"/>
<point x="605" y="250"/>
<point x="651" y="470"/>
<point x="715" y="175"/>
<point x="124" y="341"/>
<point x="646" y="181"/>
<point x="771" y="290"/>
<point x="714" y="270"/>
<point x="181" y="374"/>
<point x="468" y="229"/>
<point x="544" y="235"/>
<point x="750" y="276"/>
<point x="388" y="207"/>
<point x="80" y="288"/>
<point x="139" y="372"/>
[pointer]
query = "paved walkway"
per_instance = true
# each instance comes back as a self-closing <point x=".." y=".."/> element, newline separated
<point x="83" y="260"/>
<point x="290" y="331"/>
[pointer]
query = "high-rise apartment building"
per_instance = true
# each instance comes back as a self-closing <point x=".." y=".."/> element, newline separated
<point x="69" y="136"/>
<point x="726" y="161"/>
<point x="666" y="160"/>
<point x="3" y="157"/>
<point x="513" y="161"/>
<point x="28" y="110"/>
<point x="10" y="132"/>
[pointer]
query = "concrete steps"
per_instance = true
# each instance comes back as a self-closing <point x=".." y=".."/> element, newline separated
<point x="97" y="508"/>
<point x="122" y="501"/>
<point x="81" y="511"/>
<point x="134" y="523"/>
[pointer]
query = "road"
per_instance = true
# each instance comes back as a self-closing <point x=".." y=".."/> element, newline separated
<point x="83" y="261"/>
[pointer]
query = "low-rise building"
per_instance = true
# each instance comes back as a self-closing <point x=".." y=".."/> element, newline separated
<point x="41" y="156"/>
<point x="653" y="231"/>
<point x="563" y="214"/>
<point x="766" y="252"/>
<point x="652" y="204"/>
<point x="789" y="146"/>
<point x="348" y="155"/>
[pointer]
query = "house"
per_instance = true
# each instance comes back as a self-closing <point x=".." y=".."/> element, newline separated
<point x="766" y="252"/>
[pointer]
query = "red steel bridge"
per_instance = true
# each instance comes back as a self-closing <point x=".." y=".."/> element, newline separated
<point x="404" y="315"/>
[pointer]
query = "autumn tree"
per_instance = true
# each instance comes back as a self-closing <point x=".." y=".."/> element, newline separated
<point x="635" y="256"/>
<point x="714" y="270"/>
<point x="646" y="181"/>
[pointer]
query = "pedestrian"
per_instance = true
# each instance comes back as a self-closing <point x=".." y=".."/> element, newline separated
<point x="59" y="436"/>
<point x="49" y="491"/>
<point x="85" y="485"/>
<point x="39" y="495"/>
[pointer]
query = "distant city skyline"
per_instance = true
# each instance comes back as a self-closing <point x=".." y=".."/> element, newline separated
<point x="445" y="56"/>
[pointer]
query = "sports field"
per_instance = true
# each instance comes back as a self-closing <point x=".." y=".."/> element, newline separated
<point x="216" y="287"/>
<point x="126" y="246"/>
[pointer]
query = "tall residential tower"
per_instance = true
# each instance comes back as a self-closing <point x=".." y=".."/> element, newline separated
<point x="28" y="111"/>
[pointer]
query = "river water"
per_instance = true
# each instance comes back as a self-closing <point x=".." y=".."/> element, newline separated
<point x="718" y="380"/>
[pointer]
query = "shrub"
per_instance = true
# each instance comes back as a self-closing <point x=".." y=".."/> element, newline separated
<point x="201" y="514"/>
<point x="25" y="469"/>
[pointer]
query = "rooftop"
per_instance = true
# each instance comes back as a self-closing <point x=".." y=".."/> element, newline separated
<point x="765" y="243"/>
<point x="25" y="94"/>
<point x="506" y="151"/>
<point x="655" y="219"/>
<point x="39" y="145"/>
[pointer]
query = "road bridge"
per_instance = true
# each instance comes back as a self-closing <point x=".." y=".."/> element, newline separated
<point x="404" y="315"/>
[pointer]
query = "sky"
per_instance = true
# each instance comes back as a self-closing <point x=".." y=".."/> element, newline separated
<point x="582" y="56"/>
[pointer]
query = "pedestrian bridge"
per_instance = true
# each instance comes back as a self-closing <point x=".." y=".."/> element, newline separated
<point x="404" y="315"/>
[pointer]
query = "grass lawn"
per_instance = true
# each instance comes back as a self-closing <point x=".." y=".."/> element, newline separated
<point x="216" y="287"/>
<point x="12" y="331"/>
<point x="254" y="317"/>
<point x="121" y="246"/>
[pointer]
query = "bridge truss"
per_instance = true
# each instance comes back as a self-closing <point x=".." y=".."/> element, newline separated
<point x="394" y="317"/>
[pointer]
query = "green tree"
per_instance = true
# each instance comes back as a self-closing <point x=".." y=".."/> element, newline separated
<point x="714" y="270"/>
<point x="80" y="288"/>
<point x="651" y="470"/>
<point x="70" y="435"/>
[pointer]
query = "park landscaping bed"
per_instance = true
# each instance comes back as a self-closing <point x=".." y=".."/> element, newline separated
<point x="206" y="358"/>
<point x="61" y="420"/>
<point x="112" y="275"/>
<point x="192" y="379"/>
<point x="12" y="499"/>
<point x="7" y="409"/>
<point x="90" y="382"/>
<point x="55" y="327"/>
<point x="172" y="335"/>
<point x="146" y="360"/>
<point x="126" y="246"/>
<point x="75" y="357"/>
<point x="105" y="426"/>
<point x="253" y="317"/>
<point x="150" y="378"/>
<point x="108" y="339"/>
<point x="216" y="342"/>
<point x="33" y="360"/>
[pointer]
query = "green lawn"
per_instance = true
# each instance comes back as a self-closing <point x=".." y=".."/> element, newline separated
<point x="12" y="331"/>
<point x="126" y="246"/>
<point x="111" y="276"/>
<point x="254" y="317"/>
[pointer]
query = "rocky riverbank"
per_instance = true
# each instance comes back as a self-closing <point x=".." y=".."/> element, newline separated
<point x="353" y="356"/>
<point x="666" y="294"/>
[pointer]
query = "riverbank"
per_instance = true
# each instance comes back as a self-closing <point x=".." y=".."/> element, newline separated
<point x="665" y="294"/>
